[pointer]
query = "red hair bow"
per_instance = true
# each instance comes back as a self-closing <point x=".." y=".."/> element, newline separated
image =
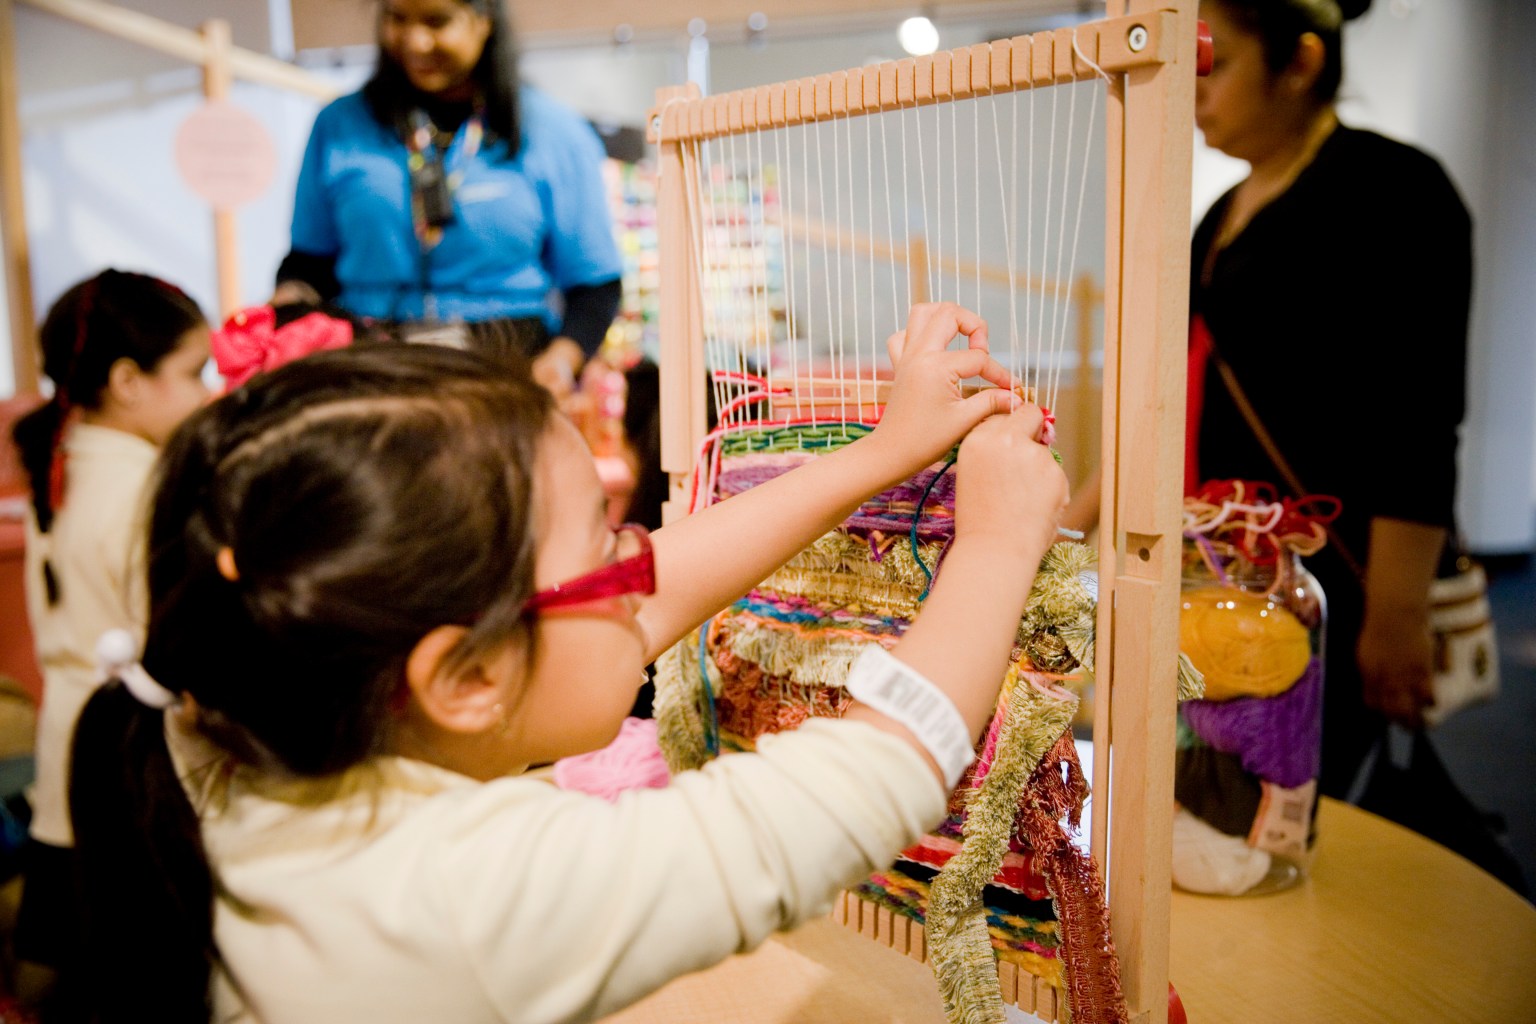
<point x="250" y="342"/>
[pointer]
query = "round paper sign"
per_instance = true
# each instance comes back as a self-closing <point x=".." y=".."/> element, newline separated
<point x="225" y="155"/>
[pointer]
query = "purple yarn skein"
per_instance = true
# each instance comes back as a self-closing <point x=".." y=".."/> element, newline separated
<point x="1277" y="738"/>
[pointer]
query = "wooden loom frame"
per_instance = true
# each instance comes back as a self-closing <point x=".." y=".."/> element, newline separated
<point x="1148" y="48"/>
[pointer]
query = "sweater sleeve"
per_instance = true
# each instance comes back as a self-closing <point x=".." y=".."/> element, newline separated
<point x="314" y="222"/>
<point x="1417" y="283"/>
<point x="613" y="901"/>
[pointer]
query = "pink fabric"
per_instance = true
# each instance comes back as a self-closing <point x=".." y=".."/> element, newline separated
<point x="632" y="761"/>
<point x="250" y="342"/>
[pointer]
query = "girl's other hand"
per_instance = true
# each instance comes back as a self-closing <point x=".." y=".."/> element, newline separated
<point x="927" y="412"/>
<point x="1009" y="491"/>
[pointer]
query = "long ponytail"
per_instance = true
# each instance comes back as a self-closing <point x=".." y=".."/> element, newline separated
<point x="145" y="886"/>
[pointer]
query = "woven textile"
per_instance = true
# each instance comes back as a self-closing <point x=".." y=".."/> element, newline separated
<point x="1000" y="879"/>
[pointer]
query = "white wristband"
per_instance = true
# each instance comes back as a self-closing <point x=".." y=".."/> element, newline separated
<point x="891" y="687"/>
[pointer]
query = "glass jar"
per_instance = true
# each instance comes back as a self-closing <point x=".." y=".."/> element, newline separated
<point x="1249" y="750"/>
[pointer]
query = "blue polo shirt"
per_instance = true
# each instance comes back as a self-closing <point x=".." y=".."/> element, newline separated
<point x="521" y="227"/>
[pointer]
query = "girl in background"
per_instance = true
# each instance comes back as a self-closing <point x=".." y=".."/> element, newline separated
<point x="125" y="353"/>
<point x="382" y="584"/>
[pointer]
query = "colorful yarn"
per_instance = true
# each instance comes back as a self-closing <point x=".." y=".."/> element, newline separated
<point x="1244" y="644"/>
<point x="632" y="761"/>
<point x="990" y="883"/>
<point x="1278" y="738"/>
<point x="1244" y="519"/>
<point x="1034" y="717"/>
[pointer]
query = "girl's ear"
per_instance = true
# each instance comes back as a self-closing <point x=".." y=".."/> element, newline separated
<point x="123" y="382"/>
<point x="468" y="698"/>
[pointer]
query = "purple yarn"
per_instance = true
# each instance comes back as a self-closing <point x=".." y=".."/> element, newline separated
<point x="876" y="514"/>
<point x="744" y="478"/>
<point x="1277" y="738"/>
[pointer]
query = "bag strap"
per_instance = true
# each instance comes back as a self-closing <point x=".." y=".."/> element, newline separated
<point x="1271" y="449"/>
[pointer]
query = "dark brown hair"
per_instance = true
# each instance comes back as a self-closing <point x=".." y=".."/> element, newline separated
<point x="368" y="495"/>
<point x="1280" y="24"/>
<point x="114" y="315"/>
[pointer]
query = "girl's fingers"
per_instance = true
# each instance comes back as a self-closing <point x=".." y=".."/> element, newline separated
<point x="975" y="362"/>
<point x="895" y="345"/>
<point x="934" y="325"/>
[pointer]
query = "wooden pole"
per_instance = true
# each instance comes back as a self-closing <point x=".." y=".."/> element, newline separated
<point x="1149" y="131"/>
<point x="681" y="305"/>
<point x="13" y="214"/>
<point x="217" y="76"/>
<point x="1085" y="297"/>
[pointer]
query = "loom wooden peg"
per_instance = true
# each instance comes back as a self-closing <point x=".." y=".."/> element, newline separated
<point x="1087" y="49"/>
<point x="872" y="100"/>
<point x="709" y="108"/>
<point x="1062" y="69"/>
<point x="906" y="82"/>
<point x="981" y="68"/>
<point x="960" y="74"/>
<point x="792" y="103"/>
<point x="888" y="95"/>
<point x="1008" y="981"/>
<point x="1030" y="995"/>
<point x="840" y="908"/>
<point x="765" y="119"/>
<point x="1021" y="64"/>
<point x="823" y="95"/>
<point x="903" y="940"/>
<point x="943" y="76"/>
<point x="778" y="114"/>
<point x="735" y="112"/>
<point x="837" y="92"/>
<point x="922" y="79"/>
<point x="1001" y="64"/>
<point x="808" y="99"/>
<point x="856" y="91"/>
<point x="881" y="926"/>
<point x="1041" y="66"/>
<point x="695" y="119"/>
<point x="919" y="951"/>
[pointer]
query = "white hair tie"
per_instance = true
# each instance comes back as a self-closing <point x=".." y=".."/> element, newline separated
<point x="117" y="658"/>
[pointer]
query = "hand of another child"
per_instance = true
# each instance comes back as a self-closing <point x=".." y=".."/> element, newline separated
<point x="1009" y="491"/>
<point x="927" y="412"/>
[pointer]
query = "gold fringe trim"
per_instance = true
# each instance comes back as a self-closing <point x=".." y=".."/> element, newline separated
<point x="809" y="660"/>
<point x="1191" y="681"/>
<point x="959" y="946"/>
<point x="679" y="719"/>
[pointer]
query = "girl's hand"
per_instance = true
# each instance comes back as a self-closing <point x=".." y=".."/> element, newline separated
<point x="1009" y="491"/>
<point x="927" y="413"/>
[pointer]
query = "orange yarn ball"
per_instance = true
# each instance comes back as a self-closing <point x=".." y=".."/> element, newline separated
<point x="1244" y="644"/>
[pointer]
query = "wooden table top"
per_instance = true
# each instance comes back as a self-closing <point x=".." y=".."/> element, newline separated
<point x="1390" y="928"/>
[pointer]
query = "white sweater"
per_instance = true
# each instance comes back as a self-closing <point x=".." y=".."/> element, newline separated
<point x="412" y="893"/>
<point x="96" y="549"/>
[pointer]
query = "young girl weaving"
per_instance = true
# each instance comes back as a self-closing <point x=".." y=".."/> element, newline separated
<point x="381" y="585"/>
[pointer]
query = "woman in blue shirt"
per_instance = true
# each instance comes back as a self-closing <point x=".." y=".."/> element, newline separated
<point x="449" y="199"/>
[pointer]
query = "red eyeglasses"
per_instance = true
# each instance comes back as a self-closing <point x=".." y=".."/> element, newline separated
<point x="632" y="572"/>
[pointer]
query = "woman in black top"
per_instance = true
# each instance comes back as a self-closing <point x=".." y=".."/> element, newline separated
<point x="1335" y="281"/>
